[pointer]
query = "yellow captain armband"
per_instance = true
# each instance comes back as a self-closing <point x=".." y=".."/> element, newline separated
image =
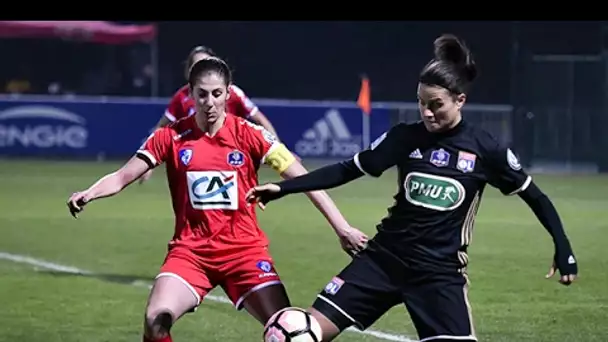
<point x="279" y="158"/>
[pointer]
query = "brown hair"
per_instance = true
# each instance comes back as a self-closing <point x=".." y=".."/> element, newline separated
<point x="211" y="64"/>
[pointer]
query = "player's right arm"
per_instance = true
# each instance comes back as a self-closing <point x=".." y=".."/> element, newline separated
<point x="383" y="154"/>
<point x="152" y="153"/>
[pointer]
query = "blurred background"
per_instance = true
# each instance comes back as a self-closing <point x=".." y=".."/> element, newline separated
<point x="543" y="85"/>
<point x="78" y="98"/>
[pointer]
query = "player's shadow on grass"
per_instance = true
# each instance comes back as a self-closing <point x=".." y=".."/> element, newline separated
<point x="132" y="280"/>
<point x="142" y="281"/>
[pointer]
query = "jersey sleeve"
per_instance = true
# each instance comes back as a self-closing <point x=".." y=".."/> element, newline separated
<point x="267" y="149"/>
<point x="385" y="152"/>
<point x="173" y="111"/>
<point x="505" y="172"/>
<point x="244" y="107"/>
<point x="155" y="150"/>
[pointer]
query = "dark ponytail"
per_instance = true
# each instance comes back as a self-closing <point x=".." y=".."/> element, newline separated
<point x="452" y="68"/>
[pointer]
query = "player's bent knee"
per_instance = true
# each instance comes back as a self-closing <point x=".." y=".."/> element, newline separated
<point x="169" y="299"/>
<point x="333" y="313"/>
<point x="172" y="294"/>
<point x="158" y="323"/>
<point x="328" y="328"/>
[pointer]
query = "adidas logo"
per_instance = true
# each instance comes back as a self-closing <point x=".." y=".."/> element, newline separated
<point x="330" y="126"/>
<point x="416" y="154"/>
<point x="328" y="137"/>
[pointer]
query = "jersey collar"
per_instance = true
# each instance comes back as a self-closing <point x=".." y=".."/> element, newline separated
<point x="454" y="131"/>
<point x="222" y="135"/>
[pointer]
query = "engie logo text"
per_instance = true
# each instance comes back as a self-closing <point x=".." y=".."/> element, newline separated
<point x="42" y="126"/>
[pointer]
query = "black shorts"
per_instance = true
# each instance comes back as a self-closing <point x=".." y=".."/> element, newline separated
<point x="375" y="281"/>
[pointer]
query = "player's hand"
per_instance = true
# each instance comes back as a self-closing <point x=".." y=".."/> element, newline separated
<point x="263" y="194"/>
<point x="565" y="263"/>
<point x="352" y="240"/>
<point x="77" y="202"/>
<point x="145" y="176"/>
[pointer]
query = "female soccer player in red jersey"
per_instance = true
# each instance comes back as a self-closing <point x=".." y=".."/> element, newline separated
<point x="212" y="160"/>
<point x="237" y="102"/>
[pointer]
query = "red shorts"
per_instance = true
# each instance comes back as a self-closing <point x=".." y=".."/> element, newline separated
<point x="240" y="276"/>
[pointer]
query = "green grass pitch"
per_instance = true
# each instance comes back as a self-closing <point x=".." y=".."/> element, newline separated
<point x="123" y="240"/>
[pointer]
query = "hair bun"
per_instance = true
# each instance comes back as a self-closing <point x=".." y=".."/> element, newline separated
<point x="449" y="48"/>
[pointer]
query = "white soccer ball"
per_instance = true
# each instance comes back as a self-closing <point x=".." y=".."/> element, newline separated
<point x="292" y="325"/>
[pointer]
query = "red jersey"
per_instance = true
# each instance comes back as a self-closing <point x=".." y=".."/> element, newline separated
<point x="209" y="177"/>
<point x="182" y="105"/>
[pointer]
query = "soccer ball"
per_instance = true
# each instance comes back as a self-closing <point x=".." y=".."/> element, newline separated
<point x="292" y="325"/>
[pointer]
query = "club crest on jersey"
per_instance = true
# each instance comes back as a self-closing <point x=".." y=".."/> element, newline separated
<point x="264" y="265"/>
<point x="440" y="158"/>
<point x="269" y="137"/>
<point x="236" y="158"/>
<point x="512" y="160"/>
<point x="466" y="161"/>
<point x="185" y="155"/>
<point x="334" y="286"/>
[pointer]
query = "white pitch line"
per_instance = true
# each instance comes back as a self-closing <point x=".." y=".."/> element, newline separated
<point x="220" y="299"/>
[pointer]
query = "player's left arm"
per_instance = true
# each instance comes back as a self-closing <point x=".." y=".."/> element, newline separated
<point x="507" y="174"/>
<point x="285" y="163"/>
<point x="384" y="153"/>
<point x="276" y="155"/>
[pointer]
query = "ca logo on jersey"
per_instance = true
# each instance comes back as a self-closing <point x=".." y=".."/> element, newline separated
<point x="213" y="189"/>
<point x="433" y="192"/>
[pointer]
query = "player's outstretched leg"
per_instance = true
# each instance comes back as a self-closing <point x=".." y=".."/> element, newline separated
<point x="328" y="328"/>
<point x="169" y="299"/>
<point x="265" y="302"/>
<point x="359" y="295"/>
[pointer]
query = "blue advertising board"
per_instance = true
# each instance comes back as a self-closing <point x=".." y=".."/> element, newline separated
<point x="324" y="131"/>
<point x="102" y="128"/>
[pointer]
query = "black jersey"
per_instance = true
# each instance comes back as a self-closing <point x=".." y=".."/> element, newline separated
<point x="442" y="177"/>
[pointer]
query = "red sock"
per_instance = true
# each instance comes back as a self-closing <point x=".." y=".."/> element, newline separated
<point x="164" y="339"/>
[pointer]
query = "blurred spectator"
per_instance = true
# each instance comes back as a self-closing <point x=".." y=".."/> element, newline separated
<point x="54" y="88"/>
<point x="142" y="83"/>
<point x="19" y="82"/>
<point x="18" y="85"/>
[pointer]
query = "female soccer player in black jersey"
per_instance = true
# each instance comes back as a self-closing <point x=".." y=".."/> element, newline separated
<point x="419" y="255"/>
